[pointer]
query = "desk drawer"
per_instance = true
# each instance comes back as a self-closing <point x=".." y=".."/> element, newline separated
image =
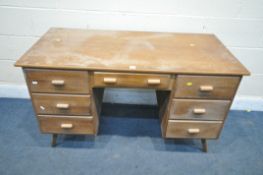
<point x="61" y="104"/>
<point x="193" y="129"/>
<point x="213" y="87"/>
<point x="192" y="109"/>
<point x="66" y="124"/>
<point x="57" y="81"/>
<point x="102" y="79"/>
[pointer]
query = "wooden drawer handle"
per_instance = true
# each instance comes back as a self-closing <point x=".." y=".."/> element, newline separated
<point x="193" y="130"/>
<point x="154" y="81"/>
<point x="206" y="88"/>
<point x="62" y="106"/>
<point x="110" y="80"/>
<point x="58" y="82"/>
<point x="199" y="110"/>
<point x="66" y="125"/>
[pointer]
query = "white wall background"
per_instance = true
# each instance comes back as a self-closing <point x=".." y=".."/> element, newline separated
<point x="238" y="23"/>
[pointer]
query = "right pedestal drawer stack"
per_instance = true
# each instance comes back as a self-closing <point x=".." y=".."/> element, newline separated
<point x="200" y="105"/>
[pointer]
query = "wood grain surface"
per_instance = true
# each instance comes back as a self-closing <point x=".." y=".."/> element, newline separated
<point x="55" y="124"/>
<point x="182" y="128"/>
<point x="223" y="87"/>
<point x="193" y="109"/>
<point x="62" y="104"/>
<point x="154" y="81"/>
<point x="42" y="80"/>
<point x="132" y="51"/>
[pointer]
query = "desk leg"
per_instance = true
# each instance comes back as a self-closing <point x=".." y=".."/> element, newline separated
<point x="54" y="140"/>
<point x="204" y="145"/>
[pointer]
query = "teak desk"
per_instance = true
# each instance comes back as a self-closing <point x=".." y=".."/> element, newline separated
<point x="194" y="75"/>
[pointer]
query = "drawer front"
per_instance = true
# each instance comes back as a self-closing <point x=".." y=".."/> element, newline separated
<point x="214" y="87"/>
<point x="61" y="104"/>
<point x="192" y="109"/>
<point x="66" y="124"/>
<point x="102" y="79"/>
<point x="193" y="129"/>
<point x="57" y="81"/>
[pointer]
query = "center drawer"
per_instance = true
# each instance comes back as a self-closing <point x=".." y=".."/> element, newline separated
<point x="105" y="79"/>
<point x="61" y="104"/>
<point x="194" y="109"/>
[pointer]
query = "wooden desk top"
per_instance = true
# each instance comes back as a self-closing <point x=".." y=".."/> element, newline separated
<point x="125" y="51"/>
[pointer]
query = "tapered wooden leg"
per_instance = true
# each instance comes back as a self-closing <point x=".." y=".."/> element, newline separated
<point x="54" y="140"/>
<point x="204" y="145"/>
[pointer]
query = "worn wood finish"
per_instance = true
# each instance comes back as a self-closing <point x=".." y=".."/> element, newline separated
<point x="54" y="124"/>
<point x="155" y="81"/>
<point x="193" y="129"/>
<point x="178" y="53"/>
<point x="61" y="104"/>
<point x="57" y="81"/>
<point x="206" y="87"/>
<point x="193" y="109"/>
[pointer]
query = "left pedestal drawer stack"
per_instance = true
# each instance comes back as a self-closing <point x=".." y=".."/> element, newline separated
<point x="62" y="100"/>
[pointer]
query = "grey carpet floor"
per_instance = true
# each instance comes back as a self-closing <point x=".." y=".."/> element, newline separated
<point x="129" y="142"/>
